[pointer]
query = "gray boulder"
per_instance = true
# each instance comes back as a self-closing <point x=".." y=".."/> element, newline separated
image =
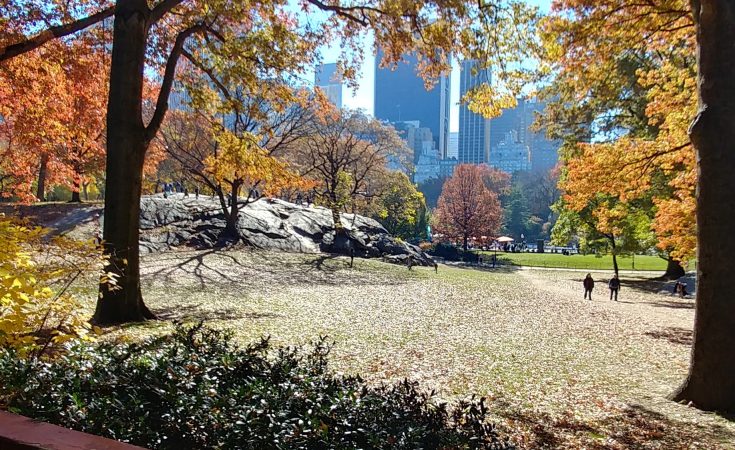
<point x="267" y="224"/>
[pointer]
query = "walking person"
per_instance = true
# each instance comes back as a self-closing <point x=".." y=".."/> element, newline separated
<point x="588" y="284"/>
<point x="614" y="285"/>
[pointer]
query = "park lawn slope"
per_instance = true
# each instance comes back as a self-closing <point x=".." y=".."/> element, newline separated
<point x="559" y="371"/>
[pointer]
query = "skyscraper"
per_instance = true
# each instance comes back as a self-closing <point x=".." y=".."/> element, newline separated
<point x="327" y="78"/>
<point x="513" y="128"/>
<point x="400" y="96"/>
<point x="453" y="150"/>
<point x="474" y="130"/>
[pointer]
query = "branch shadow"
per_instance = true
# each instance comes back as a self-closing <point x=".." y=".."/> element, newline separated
<point x="242" y="270"/>
<point x="197" y="313"/>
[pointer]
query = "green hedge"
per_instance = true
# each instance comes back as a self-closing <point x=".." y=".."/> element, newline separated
<point x="195" y="389"/>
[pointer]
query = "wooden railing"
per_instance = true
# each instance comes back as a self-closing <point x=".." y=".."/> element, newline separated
<point x="21" y="433"/>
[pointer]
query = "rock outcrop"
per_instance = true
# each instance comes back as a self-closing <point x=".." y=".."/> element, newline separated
<point x="267" y="224"/>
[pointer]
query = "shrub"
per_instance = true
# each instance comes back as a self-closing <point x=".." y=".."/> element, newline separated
<point x="196" y="389"/>
<point x="36" y="311"/>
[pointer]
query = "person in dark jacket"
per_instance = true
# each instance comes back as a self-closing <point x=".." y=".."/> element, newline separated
<point x="589" y="284"/>
<point x="614" y="285"/>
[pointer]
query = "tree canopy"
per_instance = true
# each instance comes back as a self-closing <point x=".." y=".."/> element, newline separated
<point x="623" y="104"/>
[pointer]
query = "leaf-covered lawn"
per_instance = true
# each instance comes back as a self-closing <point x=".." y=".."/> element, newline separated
<point x="561" y="372"/>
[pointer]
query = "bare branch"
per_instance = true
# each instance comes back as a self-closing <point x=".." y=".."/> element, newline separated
<point x="53" y="33"/>
<point x="168" y="80"/>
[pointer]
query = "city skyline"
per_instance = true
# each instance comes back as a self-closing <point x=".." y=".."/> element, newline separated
<point x="362" y="97"/>
<point x="401" y="96"/>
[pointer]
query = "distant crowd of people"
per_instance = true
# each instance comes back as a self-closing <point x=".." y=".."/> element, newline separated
<point x="174" y="187"/>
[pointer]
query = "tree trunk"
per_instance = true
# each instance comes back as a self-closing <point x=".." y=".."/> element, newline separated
<point x="710" y="384"/>
<point x="126" y="148"/>
<point x="614" y="255"/>
<point x="464" y="242"/>
<point x="674" y="270"/>
<point x="41" y="188"/>
<point x="76" y="188"/>
<point x="231" y="216"/>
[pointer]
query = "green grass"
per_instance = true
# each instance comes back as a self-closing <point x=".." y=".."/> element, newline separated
<point x="591" y="262"/>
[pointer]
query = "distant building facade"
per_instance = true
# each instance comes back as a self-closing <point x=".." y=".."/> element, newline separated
<point x="327" y="79"/>
<point x="542" y="152"/>
<point x="511" y="155"/>
<point x="473" y="141"/>
<point x="453" y="150"/>
<point x="446" y="167"/>
<point x="400" y="96"/>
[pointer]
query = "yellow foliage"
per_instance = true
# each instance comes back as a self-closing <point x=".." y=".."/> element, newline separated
<point x="592" y="46"/>
<point x="241" y="161"/>
<point x="36" y="311"/>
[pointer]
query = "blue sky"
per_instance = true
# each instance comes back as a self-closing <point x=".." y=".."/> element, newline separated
<point x="363" y="97"/>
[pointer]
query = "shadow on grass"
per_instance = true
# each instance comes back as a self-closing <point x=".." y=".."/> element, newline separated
<point x="243" y="270"/>
<point x="196" y="313"/>
<point x="675" y="335"/>
<point x="618" y="427"/>
<point x="500" y="268"/>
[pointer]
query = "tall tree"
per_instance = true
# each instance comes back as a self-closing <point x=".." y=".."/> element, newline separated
<point x="247" y="42"/>
<point x="466" y="207"/>
<point x="687" y="155"/>
<point x="345" y="150"/>
<point x="401" y="208"/>
<point x="634" y="96"/>
<point x="710" y="384"/>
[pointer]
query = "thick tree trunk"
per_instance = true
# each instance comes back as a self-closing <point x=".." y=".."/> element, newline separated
<point x="710" y="384"/>
<point x="41" y="188"/>
<point x="231" y="216"/>
<point x="674" y="270"/>
<point x="126" y="147"/>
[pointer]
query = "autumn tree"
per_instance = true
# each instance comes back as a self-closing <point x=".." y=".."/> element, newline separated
<point x="246" y="42"/>
<point x="466" y="207"/>
<point x="231" y="148"/>
<point x="53" y="103"/>
<point x="692" y="147"/>
<point x="606" y="226"/>
<point x="634" y="96"/>
<point x="241" y="161"/>
<point x="343" y="153"/>
<point x="401" y="208"/>
<point x="496" y="180"/>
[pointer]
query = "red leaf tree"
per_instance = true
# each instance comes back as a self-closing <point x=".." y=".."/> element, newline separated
<point x="466" y="207"/>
